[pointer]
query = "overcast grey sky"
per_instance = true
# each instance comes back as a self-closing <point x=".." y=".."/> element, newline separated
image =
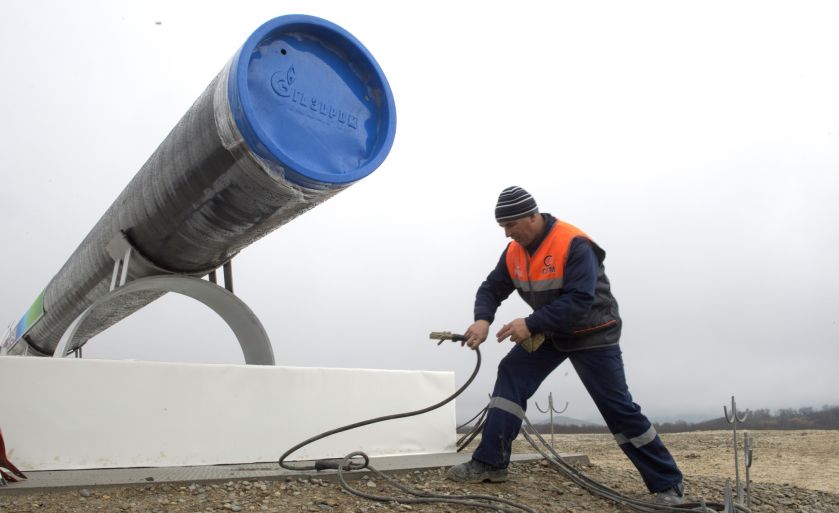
<point x="696" y="142"/>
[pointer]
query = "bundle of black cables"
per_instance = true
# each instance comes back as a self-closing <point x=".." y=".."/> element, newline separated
<point x="358" y="460"/>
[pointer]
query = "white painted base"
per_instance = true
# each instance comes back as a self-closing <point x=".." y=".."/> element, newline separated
<point x="59" y="414"/>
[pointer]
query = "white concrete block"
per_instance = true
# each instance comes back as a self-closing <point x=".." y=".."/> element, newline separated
<point x="84" y="413"/>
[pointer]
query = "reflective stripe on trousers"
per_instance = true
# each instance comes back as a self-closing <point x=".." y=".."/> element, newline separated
<point x="638" y="441"/>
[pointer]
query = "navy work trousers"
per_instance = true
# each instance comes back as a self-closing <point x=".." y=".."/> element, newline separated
<point x="601" y="370"/>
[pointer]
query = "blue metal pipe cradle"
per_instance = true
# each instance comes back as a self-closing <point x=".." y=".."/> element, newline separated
<point x="300" y="112"/>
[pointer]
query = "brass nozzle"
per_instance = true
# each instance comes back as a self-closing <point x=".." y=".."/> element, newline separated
<point x="446" y="335"/>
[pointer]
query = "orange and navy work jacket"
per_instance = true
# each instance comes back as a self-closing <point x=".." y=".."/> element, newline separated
<point x="539" y="277"/>
<point x="543" y="271"/>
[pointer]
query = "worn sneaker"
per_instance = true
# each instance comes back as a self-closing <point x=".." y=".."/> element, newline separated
<point x="476" y="472"/>
<point x="672" y="496"/>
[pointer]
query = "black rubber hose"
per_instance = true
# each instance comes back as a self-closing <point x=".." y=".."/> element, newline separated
<point x="479" y="501"/>
<point x="600" y="490"/>
<point x="335" y="463"/>
<point x="466" y="439"/>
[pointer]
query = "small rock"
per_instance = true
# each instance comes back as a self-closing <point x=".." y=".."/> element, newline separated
<point x="84" y="492"/>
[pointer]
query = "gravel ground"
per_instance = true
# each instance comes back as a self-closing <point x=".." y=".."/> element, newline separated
<point x="775" y="485"/>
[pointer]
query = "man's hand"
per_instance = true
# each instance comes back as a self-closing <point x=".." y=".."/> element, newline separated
<point x="516" y="330"/>
<point x="476" y="334"/>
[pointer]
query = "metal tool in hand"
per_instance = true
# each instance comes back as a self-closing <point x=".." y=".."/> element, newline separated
<point x="442" y="336"/>
<point x="531" y="344"/>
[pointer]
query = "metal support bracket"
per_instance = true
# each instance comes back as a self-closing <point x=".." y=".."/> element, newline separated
<point x="228" y="275"/>
<point x="134" y="277"/>
<point x="249" y="331"/>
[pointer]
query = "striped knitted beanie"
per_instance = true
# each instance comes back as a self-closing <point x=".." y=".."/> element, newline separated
<point x="514" y="203"/>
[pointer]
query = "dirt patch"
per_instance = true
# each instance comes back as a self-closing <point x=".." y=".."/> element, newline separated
<point x="793" y="471"/>
<point x="807" y="459"/>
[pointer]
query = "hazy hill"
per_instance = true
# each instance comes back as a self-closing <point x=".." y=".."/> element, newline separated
<point x="788" y="418"/>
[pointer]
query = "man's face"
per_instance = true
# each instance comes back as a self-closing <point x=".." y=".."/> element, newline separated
<point x="524" y="230"/>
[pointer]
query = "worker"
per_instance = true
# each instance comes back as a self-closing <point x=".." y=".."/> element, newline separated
<point x="558" y="270"/>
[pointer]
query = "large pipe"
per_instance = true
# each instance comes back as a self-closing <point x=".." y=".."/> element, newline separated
<point x="300" y="112"/>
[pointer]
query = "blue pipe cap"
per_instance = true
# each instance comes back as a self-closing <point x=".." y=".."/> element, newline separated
<point x="306" y="95"/>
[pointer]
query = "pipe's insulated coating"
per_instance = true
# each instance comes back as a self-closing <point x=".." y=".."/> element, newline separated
<point x="300" y="112"/>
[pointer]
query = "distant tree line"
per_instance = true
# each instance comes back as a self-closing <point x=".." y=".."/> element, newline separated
<point x="784" y="419"/>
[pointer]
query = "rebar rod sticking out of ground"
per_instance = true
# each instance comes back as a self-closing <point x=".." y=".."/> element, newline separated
<point x="733" y="419"/>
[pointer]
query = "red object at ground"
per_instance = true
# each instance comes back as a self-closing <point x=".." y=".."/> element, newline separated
<point x="5" y="464"/>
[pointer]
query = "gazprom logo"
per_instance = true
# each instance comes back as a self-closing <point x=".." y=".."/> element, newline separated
<point x="283" y="85"/>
